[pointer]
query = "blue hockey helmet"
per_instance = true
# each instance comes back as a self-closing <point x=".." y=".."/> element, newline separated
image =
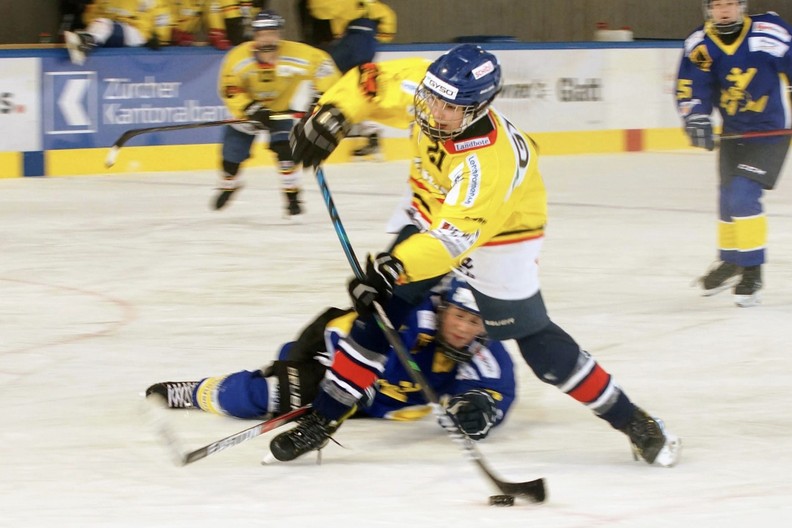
<point x="267" y="19"/>
<point x="726" y="27"/>
<point x="458" y="294"/>
<point x="467" y="78"/>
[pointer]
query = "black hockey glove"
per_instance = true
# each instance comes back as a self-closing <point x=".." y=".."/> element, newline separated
<point x="316" y="136"/>
<point x="298" y="382"/>
<point x="382" y="273"/>
<point x="474" y="412"/>
<point x="699" y="129"/>
<point x="259" y="115"/>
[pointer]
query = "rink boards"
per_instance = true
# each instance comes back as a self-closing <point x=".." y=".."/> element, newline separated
<point x="59" y="119"/>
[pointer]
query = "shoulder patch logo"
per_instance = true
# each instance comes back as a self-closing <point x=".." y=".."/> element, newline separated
<point x="701" y="58"/>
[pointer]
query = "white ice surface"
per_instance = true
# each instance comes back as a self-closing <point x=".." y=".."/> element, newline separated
<point x="109" y="284"/>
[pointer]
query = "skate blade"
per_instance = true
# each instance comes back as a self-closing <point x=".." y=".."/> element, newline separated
<point x="747" y="301"/>
<point x="669" y="454"/>
<point x="728" y="284"/>
<point x="156" y="412"/>
<point x="268" y="459"/>
<point x="73" y="44"/>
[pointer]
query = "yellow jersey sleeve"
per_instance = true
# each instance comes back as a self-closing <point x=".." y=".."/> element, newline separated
<point x="381" y="92"/>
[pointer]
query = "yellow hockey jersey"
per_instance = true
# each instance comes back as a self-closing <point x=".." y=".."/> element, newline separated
<point x="149" y="17"/>
<point x="191" y="16"/>
<point x="341" y="12"/>
<point x="480" y="188"/>
<point x="243" y="79"/>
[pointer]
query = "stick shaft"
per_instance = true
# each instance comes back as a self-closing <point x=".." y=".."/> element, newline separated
<point x="534" y="489"/>
<point x="757" y="134"/>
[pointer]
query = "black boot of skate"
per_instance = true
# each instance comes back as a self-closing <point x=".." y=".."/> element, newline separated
<point x="177" y="394"/>
<point x="227" y="187"/>
<point x="311" y="434"/>
<point x="650" y="440"/>
<point x="746" y="292"/>
<point x="720" y="277"/>
<point x="293" y="204"/>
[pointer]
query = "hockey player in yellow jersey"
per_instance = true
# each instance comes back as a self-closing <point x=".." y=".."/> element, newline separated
<point x="259" y="81"/>
<point x="190" y="18"/>
<point x="341" y="12"/>
<point x="478" y="209"/>
<point x="120" y="23"/>
<point x="357" y="26"/>
<point x="234" y="17"/>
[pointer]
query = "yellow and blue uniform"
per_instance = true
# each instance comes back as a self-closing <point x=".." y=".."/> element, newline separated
<point x="150" y="18"/>
<point x="460" y="198"/>
<point x="397" y="397"/>
<point x="478" y="208"/>
<point x="746" y="78"/>
<point x="253" y="394"/>
<point x="341" y="12"/>
<point x="244" y="80"/>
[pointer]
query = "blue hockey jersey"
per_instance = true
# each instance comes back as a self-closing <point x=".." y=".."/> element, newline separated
<point x="396" y="397"/>
<point x="748" y="81"/>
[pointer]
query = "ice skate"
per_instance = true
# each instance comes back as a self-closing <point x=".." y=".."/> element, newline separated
<point x="293" y="204"/>
<point x="311" y="434"/>
<point x="650" y="440"/>
<point x="78" y="44"/>
<point x="227" y="188"/>
<point x="178" y="394"/>
<point x="746" y="292"/>
<point x="721" y="276"/>
<point x="370" y="151"/>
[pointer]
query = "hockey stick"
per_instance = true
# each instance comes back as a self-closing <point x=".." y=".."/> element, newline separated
<point x="757" y="134"/>
<point x="129" y="134"/>
<point x="533" y="490"/>
<point x="182" y="458"/>
<point x="112" y="155"/>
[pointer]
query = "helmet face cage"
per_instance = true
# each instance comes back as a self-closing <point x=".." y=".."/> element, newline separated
<point x="427" y="103"/>
<point x="727" y="28"/>
<point x="462" y="83"/>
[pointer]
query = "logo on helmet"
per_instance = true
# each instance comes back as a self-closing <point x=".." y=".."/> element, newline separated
<point x="440" y="87"/>
<point x="483" y="70"/>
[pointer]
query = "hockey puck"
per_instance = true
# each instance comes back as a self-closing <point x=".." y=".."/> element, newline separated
<point x="501" y="500"/>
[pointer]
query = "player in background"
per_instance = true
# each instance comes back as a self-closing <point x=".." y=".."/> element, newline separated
<point x="236" y="16"/>
<point x="478" y="208"/>
<point x="357" y="26"/>
<point x="258" y="81"/>
<point x="445" y="336"/>
<point x="120" y="23"/>
<point x="225" y="23"/>
<point x="190" y="19"/>
<point x="740" y="65"/>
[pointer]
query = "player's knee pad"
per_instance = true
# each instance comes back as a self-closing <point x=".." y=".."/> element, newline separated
<point x="298" y="382"/>
<point x="230" y="168"/>
<point x="744" y="197"/>
<point x="552" y="354"/>
<point x="243" y="394"/>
